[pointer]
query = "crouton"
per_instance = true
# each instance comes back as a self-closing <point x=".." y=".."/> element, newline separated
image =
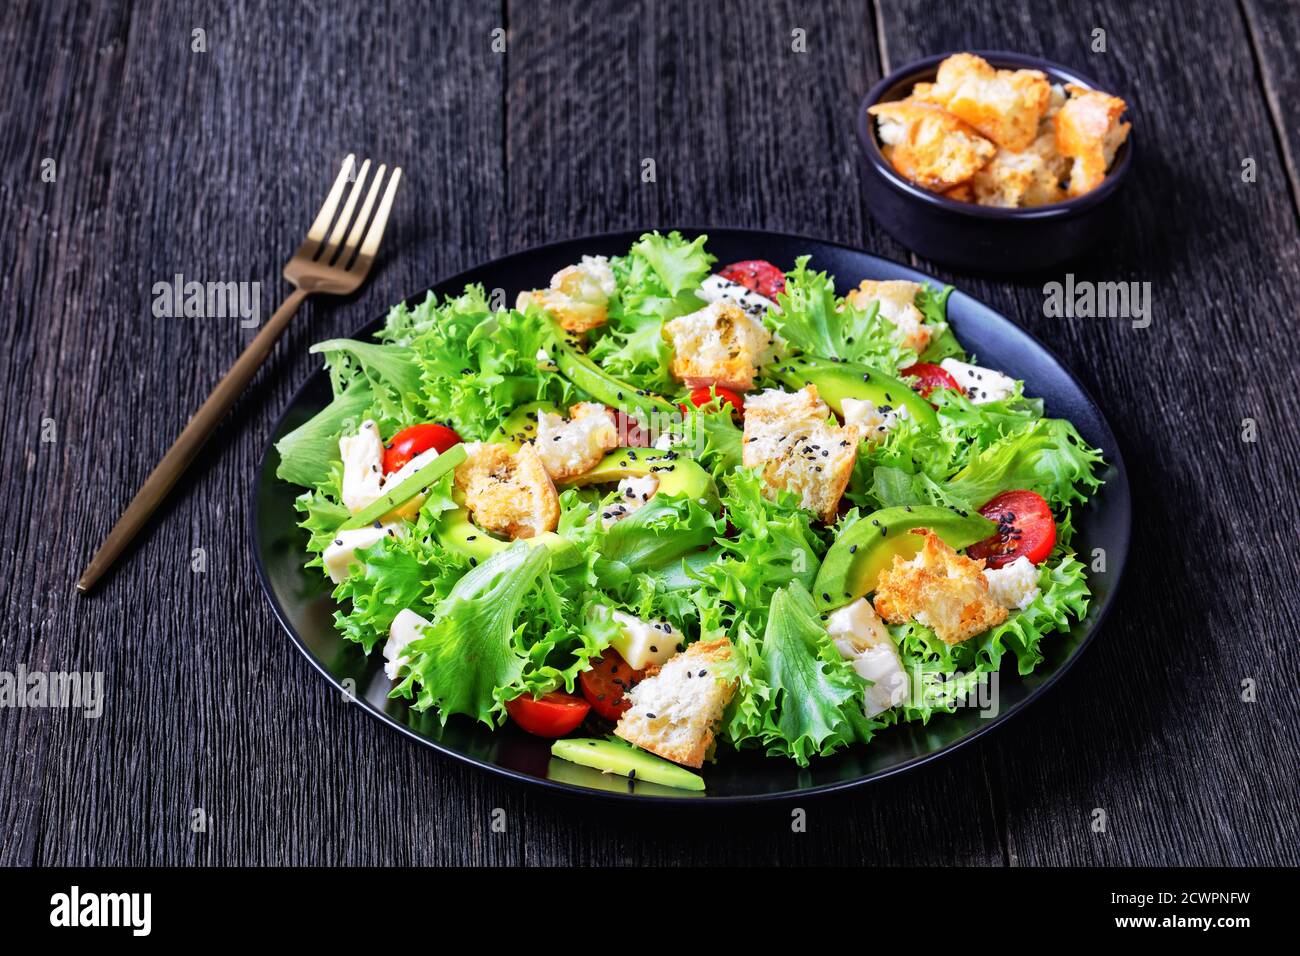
<point x="1034" y="177"/>
<point x="943" y="590"/>
<point x="718" y="345"/>
<point x="897" y="298"/>
<point x="579" y="295"/>
<point x="509" y="494"/>
<point x="787" y="437"/>
<point x="675" y="712"/>
<point x="930" y="147"/>
<point x="1003" y="105"/>
<point x="1088" y="131"/>
<point x="574" y="446"/>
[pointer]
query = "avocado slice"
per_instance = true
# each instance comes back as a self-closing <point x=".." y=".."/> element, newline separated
<point x="456" y="532"/>
<point x="408" y="489"/>
<point x="605" y="388"/>
<point x="611" y="756"/>
<point x="837" y="381"/>
<point x="520" y="425"/>
<point x="677" y="475"/>
<point x="853" y="564"/>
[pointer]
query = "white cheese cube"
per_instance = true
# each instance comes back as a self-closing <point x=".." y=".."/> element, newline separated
<point x="642" y="643"/>
<point x="363" y="467"/>
<point x="341" y="552"/>
<point x="716" y="288"/>
<point x="633" y="493"/>
<point x="410" y="468"/>
<point x="861" y="637"/>
<point x="406" y="627"/>
<point x="874" y="421"/>
<point x="1014" y="586"/>
<point x="980" y="384"/>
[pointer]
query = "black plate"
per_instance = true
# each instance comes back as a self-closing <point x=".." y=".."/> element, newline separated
<point x="302" y="603"/>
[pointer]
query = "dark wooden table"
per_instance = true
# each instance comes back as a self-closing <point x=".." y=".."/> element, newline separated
<point x="210" y="164"/>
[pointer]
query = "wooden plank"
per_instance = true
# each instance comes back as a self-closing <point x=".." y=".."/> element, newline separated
<point x="1273" y="27"/>
<point x="1151" y="728"/>
<point x="216" y="164"/>
<point x="61" y="79"/>
<point x="743" y="131"/>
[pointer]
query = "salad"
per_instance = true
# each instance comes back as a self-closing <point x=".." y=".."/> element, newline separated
<point x="661" y="512"/>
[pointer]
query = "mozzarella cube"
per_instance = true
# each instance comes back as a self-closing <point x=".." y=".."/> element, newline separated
<point x="873" y="421"/>
<point x="716" y="288"/>
<point x="1014" y="586"/>
<point x="642" y="643"/>
<point x="341" y="552"/>
<point x="980" y="384"/>
<point x="633" y="493"/>
<point x="410" y="468"/>
<point x="407" y="627"/>
<point x="861" y="637"/>
<point x="363" y="467"/>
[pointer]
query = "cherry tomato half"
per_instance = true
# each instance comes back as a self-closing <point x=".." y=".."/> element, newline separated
<point x="605" y="684"/>
<point x="630" y="432"/>
<point x="553" y="714"/>
<point x="928" y="378"/>
<point x="757" y="275"/>
<point x="1025" y="527"/>
<point x="704" y="394"/>
<point x="416" y="440"/>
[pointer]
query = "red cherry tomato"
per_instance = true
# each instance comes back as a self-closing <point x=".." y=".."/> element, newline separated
<point x="1025" y="528"/>
<point x="757" y="275"/>
<point x="928" y="378"/>
<point x="415" y="440"/>
<point x="605" y="685"/>
<point x="704" y="394"/>
<point x="630" y="432"/>
<point x="552" y="715"/>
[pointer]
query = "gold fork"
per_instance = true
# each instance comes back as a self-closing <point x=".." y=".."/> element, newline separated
<point x="319" y="265"/>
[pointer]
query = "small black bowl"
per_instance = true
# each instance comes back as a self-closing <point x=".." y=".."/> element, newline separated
<point x="983" y="238"/>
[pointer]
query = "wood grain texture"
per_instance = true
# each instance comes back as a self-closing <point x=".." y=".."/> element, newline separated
<point x="1151" y="727"/>
<point x="212" y="164"/>
<point x="1273" y="27"/>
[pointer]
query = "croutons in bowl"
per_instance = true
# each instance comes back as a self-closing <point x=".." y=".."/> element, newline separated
<point x="990" y="190"/>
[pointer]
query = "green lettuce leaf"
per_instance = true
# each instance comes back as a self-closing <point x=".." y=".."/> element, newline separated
<point x="309" y="451"/>
<point x="810" y="685"/>
<point x="474" y="651"/>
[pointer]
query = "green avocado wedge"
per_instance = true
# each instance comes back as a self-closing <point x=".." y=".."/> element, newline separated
<point x="853" y="564"/>
<point x="520" y="425"/>
<point x="408" y="489"/>
<point x="614" y="756"/>
<point x="456" y="532"/>
<point x="604" y="388"/>
<point x="677" y="475"/>
<point x="837" y="381"/>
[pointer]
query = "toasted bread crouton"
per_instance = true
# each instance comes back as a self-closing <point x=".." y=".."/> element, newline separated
<point x="1003" y="105"/>
<point x="574" y="446"/>
<point x="509" y="494"/>
<point x="929" y="146"/>
<point x="674" y="713"/>
<point x="1034" y="177"/>
<point x="897" y="298"/>
<point x="579" y="295"/>
<point x="1088" y="131"/>
<point x="941" y="589"/>
<point x="787" y="437"/>
<point x="718" y="345"/>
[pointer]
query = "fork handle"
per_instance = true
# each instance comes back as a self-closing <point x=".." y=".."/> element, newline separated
<point x="186" y="447"/>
